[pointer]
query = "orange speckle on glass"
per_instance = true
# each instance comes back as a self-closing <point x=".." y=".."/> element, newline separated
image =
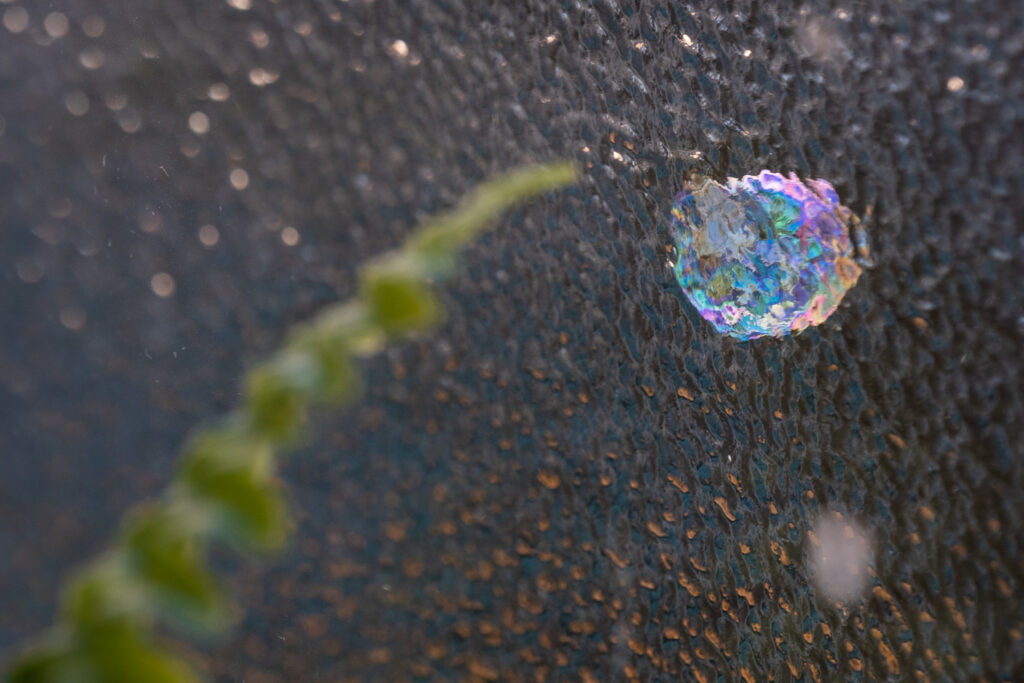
<point x="656" y="529"/>
<point x="548" y="480"/>
<point x="678" y="483"/>
<point x="723" y="504"/>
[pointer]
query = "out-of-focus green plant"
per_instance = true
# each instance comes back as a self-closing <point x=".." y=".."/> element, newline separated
<point x="225" y="490"/>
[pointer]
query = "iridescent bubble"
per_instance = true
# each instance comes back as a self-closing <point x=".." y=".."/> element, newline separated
<point x="764" y="255"/>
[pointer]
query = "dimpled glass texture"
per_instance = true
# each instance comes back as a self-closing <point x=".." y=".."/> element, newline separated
<point x="763" y="255"/>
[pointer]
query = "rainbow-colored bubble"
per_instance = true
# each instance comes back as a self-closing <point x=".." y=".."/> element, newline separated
<point x="763" y="255"/>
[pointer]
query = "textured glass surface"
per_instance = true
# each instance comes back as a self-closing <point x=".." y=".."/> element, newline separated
<point x="577" y="476"/>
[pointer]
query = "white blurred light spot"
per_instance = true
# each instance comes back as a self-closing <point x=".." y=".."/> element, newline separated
<point x="839" y="555"/>
<point x="219" y="92"/>
<point x="290" y="236"/>
<point x="92" y="58"/>
<point x="399" y="48"/>
<point x="56" y="24"/>
<point x="72" y="318"/>
<point x="77" y="103"/>
<point x="94" y="26"/>
<point x="239" y="179"/>
<point x="162" y="285"/>
<point x="16" y="19"/>
<point x="199" y="123"/>
<point x="209" y="235"/>
<point x="955" y="84"/>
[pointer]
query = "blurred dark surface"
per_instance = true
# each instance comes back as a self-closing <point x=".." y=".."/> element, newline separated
<point x="575" y="476"/>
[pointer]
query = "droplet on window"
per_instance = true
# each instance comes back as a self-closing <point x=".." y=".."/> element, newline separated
<point x="199" y="123"/>
<point x="290" y="236"/>
<point x="765" y="254"/>
<point x="77" y="103"/>
<point x="209" y="235"/>
<point x="239" y="179"/>
<point x="162" y="285"/>
<point x="56" y="24"/>
<point x="16" y="19"/>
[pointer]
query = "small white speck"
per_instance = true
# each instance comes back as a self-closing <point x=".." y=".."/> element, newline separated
<point x="955" y="84"/>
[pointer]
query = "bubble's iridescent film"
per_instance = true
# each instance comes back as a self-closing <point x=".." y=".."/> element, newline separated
<point x="763" y="255"/>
